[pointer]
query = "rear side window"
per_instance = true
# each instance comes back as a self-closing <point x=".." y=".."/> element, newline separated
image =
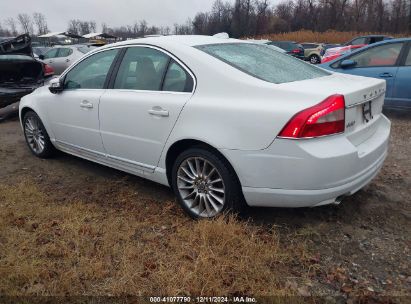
<point x="263" y="62"/>
<point x="177" y="79"/>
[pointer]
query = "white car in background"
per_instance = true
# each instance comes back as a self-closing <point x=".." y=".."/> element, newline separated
<point x="221" y="121"/>
<point x="61" y="57"/>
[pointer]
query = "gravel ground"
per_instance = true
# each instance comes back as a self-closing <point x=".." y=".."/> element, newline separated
<point x="361" y="246"/>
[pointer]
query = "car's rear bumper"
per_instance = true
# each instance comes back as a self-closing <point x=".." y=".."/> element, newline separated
<point x="266" y="197"/>
<point x="306" y="173"/>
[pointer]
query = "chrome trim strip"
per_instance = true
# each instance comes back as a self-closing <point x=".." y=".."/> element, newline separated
<point x="118" y="162"/>
<point x="139" y="45"/>
<point x="365" y="100"/>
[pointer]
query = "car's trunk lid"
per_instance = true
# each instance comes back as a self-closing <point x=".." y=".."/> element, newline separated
<point x="19" y="45"/>
<point x="364" y="99"/>
<point x="19" y="70"/>
<point x="19" y="76"/>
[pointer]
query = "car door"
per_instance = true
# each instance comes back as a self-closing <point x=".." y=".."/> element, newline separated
<point x="62" y="61"/>
<point x="142" y="105"/>
<point x="50" y="56"/>
<point x="74" y="112"/>
<point x="378" y="62"/>
<point x="401" y="96"/>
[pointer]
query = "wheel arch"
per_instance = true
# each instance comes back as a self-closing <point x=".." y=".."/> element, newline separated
<point x="24" y="111"/>
<point x="179" y="146"/>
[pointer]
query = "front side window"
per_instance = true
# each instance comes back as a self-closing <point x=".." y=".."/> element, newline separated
<point x="359" y="41"/>
<point x="91" y="73"/>
<point x="51" y="54"/>
<point x="384" y="55"/>
<point x="177" y="79"/>
<point x="65" y="52"/>
<point x="142" y="68"/>
<point x="263" y="62"/>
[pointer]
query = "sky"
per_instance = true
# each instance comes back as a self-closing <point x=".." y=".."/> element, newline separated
<point x="113" y="12"/>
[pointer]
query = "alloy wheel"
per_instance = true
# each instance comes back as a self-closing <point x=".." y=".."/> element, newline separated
<point x="314" y="59"/>
<point x="34" y="134"/>
<point x="201" y="187"/>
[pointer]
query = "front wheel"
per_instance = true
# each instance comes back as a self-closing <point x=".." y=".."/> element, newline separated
<point x="314" y="59"/>
<point x="205" y="184"/>
<point x="36" y="136"/>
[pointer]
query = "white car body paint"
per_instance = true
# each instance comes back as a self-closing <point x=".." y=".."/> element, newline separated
<point x="233" y="112"/>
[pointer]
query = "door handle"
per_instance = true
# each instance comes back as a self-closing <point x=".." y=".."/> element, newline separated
<point x="86" y="104"/>
<point x="159" y="111"/>
<point x="385" y="75"/>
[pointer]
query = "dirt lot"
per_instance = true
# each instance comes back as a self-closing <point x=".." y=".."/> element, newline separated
<point x="71" y="227"/>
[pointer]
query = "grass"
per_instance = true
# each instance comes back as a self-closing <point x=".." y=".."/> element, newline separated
<point x="321" y="37"/>
<point x="49" y="247"/>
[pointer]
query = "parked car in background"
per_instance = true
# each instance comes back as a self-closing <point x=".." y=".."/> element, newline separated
<point x="333" y="53"/>
<point x="266" y="42"/>
<point x="290" y="47"/>
<point x="354" y="44"/>
<point x="20" y="73"/>
<point x="369" y="39"/>
<point x="389" y="60"/>
<point x="61" y="57"/>
<point x="312" y="52"/>
<point x="223" y="122"/>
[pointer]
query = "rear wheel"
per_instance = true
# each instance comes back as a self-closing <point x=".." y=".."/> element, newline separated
<point x="314" y="59"/>
<point x="205" y="184"/>
<point x="36" y="136"/>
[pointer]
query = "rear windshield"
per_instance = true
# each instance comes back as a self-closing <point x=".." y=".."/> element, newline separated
<point x="85" y="49"/>
<point x="263" y="62"/>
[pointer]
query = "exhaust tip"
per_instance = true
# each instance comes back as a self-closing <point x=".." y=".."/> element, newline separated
<point x="339" y="199"/>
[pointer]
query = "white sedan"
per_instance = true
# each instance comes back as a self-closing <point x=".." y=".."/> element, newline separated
<point x="223" y="122"/>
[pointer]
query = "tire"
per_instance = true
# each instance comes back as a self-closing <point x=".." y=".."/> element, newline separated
<point x="36" y="136"/>
<point x="198" y="191"/>
<point x="314" y="59"/>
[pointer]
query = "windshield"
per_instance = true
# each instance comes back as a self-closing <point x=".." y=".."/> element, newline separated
<point x="263" y="62"/>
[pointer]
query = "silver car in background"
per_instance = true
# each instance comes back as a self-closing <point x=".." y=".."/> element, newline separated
<point x="61" y="57"/>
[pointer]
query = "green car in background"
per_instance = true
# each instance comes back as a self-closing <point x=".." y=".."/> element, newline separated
<point x="313" y="52"/>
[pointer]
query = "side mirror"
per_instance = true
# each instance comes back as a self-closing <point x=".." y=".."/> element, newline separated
<point x="348" y="63"/>
<point x="41" y="57"/>
<point x="56" y="86"/>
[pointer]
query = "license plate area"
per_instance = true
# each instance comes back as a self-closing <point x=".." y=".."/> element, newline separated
<point x="367" y="112"/>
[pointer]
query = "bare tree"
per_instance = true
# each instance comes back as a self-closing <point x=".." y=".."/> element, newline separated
<point x="26" y="23"/>
<point x="104" y="27"/>
<point x="40" y="23"/>
<point x="93" y="26"/>
<point x="11" y="23"/>
<point x="74" y="26"/>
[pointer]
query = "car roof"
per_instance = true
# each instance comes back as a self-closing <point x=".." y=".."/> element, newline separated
<point x="370" y="46"/>
<point x="370" y="36"/>
<point x="187" y="40"/>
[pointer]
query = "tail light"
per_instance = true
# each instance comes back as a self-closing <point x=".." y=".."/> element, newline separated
<point x="296" y="51"/>
<point x="325" y="118"/>
<point x="48" y="70"/>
